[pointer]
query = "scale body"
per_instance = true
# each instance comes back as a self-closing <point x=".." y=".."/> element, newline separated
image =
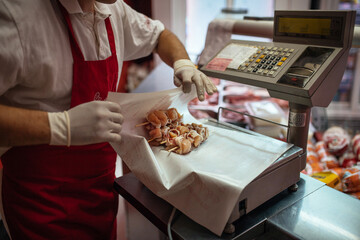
<point x="303" y="65"/>
<point x="326" y="48"/>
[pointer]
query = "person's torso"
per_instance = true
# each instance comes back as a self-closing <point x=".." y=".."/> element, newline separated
<point x="45" y="82"/>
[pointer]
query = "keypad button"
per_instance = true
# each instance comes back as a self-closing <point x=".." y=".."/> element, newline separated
<point x="267" y="60"/>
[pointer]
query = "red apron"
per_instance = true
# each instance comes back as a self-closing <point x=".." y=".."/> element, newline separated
<point x="55" y="192"/>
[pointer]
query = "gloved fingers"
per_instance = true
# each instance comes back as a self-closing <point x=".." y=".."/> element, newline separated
<point x="187" y="81"/>
<point x="116" y="118"/>
<point x="113" y="107"/>
<point x="108" y="133"/>
<point x="115" y="127"/>
<point x="177" y="81"/>
<point x="114" y="137"/>
<point x="199" y="86"/>
<point x="209" y="85"/>
<point x="94" y="122"/>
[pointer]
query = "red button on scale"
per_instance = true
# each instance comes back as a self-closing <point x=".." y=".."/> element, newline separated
<point x="294" y="79"/>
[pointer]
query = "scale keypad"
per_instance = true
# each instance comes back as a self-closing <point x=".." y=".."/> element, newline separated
<point x="267" y="61"/>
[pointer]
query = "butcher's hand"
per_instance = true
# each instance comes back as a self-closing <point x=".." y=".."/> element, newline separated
<point x="87" y="123"/>
<point x="186" y="74"/>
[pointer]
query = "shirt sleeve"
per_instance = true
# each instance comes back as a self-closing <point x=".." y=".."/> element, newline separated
<point x="11" y="52"/>
<point x="140" y="33"/>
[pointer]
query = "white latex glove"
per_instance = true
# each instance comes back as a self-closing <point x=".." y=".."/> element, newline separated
<point x="185" y="74"/>
<point x="87" y="123"/>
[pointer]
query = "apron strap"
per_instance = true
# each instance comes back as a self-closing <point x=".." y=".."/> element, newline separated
<point x="75" y="49"/>
<point x="111" y="37"/>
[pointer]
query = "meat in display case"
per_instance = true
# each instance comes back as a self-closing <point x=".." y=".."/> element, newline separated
<point x="333" y="157"/>
<point x="234" y="102"/>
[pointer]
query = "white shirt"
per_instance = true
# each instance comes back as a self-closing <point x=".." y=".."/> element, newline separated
<point x="35" y="53"/>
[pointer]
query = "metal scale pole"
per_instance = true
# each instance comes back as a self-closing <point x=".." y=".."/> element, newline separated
<point x="298" y="129"/>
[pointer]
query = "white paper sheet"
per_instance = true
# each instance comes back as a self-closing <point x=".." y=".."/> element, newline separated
<point x="238" y="53"/>
<point x="206" y="183"/>
<point x="218" y="35"/>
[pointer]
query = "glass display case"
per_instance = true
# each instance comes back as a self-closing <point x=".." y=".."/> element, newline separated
<point x="344" y="110"/>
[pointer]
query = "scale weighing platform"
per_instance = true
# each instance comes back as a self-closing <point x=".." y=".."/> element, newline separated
<point x="303" y="65"/>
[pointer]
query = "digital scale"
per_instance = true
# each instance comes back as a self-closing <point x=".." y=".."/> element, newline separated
<point x="305" y="62"/>
<point x="304" y="65"/>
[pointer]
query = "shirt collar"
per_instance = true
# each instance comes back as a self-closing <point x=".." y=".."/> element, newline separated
<point x="102" y="9"/>
<point x="73" y="7"/>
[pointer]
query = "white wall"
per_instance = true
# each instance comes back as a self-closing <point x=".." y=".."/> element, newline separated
<point x="173" y="14"/>
<point x="292" y="4"/>
<point x="329" y="4"/>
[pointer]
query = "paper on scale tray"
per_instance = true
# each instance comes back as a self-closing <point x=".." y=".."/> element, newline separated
<point x="218" y="34"/>
<point x="204" y="184"/>
<point x="238" y="53"/>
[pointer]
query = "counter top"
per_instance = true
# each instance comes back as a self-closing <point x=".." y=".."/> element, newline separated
<point x="314" y="211"/>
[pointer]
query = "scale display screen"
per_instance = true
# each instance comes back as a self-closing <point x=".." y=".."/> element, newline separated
<point x="313" y="26"/>
<point x="310" y="27"/>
